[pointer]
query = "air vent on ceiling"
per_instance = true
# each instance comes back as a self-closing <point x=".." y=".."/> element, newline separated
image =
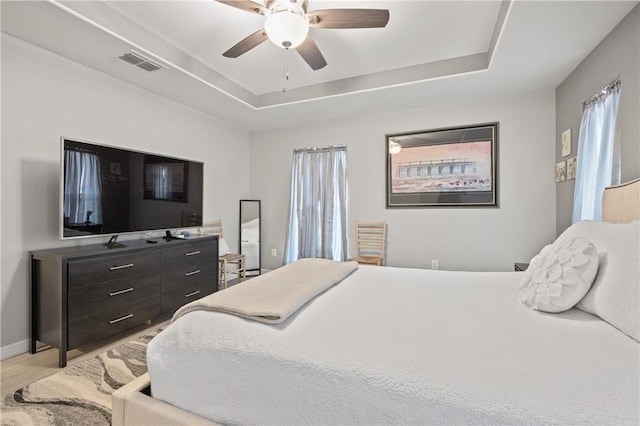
<point x="134" y="58"/>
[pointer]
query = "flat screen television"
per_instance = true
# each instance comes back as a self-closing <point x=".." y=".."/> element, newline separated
<point x="110" y="191"/>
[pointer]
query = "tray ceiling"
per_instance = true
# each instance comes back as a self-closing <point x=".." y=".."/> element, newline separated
<point x="430" y="51"/>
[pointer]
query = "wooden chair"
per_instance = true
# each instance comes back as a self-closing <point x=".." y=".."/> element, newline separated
<point x="225" y="258"/>
<point x="191" y="219"/>
<point x="371" y="240"/>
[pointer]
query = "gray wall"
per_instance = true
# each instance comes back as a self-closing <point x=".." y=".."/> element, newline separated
<point x="617" y="55"/>
<point x="44" y="97"/>
<point x="460" y="238"/>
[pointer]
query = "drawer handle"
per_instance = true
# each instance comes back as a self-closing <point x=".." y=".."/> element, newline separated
<point x="191" y="253"/>
<point x="120" y="319"/>
<point x="188" y="274"/>
<point x="126" y="290"/>
<point x="192" y="293"/>
<point x="115" y="268"/>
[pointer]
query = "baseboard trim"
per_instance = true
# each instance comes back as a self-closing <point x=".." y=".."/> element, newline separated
<point x="14" y="349"/>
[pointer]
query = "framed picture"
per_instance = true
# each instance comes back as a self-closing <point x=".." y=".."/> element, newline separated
<point x="165" y="179"/>
<point x="566" y="143"/>
<point x="572" y="165"/>
<point x="114" y="168"/>
<point x="443" y="167"/>
<point x="561" y="171"/>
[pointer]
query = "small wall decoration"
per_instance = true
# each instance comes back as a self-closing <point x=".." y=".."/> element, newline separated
<point x="561" y="171"/>
<point x="566" y="142"/>
<point x="114" y="168"/>
<point x="572" y="166"/>
<point x="443" y="167"/>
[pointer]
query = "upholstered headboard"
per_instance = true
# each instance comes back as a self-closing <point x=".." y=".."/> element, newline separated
<point x="621" y="203"/>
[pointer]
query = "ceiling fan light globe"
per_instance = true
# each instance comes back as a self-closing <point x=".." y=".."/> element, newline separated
<point x="394" y="147"/>
<point x="286" y="29"/>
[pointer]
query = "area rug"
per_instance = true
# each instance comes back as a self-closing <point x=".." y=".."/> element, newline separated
<point x="79" y="394"/>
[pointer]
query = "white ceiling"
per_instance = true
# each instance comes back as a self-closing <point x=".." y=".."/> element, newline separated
<point x="414" y="35"/>
<point x="430" y="52"/>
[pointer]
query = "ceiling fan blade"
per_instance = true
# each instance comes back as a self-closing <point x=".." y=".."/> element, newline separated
<point x="246" y="44"/>
<point x="311" y="54"/>
<point x="246" y="5"/>
<point x="349" y="18"/>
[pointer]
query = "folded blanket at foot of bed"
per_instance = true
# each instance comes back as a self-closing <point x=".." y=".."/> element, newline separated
<point x="271" y="298"/>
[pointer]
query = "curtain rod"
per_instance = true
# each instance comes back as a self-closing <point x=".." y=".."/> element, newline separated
<point x="80" y="149"/>
<point x="605" y="90"/>
<point x="321" y="148"/>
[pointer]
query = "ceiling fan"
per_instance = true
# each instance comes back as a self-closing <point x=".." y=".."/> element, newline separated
<point x="287" y="25"/>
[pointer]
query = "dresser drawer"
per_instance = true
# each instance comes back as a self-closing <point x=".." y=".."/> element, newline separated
<point x="177" y="296"/>
<point x="88" y="272"/>
<point x="188" y="272"/>
<point x="85" y="300"/>
<point x="104" y="323"/>
<point x="195" y="252"/>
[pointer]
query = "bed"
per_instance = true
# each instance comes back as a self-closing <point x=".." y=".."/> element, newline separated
<point x="409" y="346"/>
<point x="250" y="243"/>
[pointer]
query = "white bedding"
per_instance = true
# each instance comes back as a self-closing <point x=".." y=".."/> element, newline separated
<point x="251" y="254"/>
<point x="390" y="346"/>
<point x="250" y="244"/>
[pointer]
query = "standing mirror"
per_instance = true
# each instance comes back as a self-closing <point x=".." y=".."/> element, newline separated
<point x="250" y="235"/>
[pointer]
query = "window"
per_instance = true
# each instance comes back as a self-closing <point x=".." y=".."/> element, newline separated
<point x="318" y="200"/>
<point x="82" y="181"/>
<point x="598" y="160"/>
<point x="165" y="179"/>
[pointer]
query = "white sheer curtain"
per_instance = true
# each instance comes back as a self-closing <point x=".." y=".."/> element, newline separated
<point x="318" y="205"/>
<point x="162" y="180"/>
<point x="596" y="160"/>
<point x="82" y="183"/>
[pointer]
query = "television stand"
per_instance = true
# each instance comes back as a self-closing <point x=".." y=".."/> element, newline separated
<point x="113" y="244"/>
<point x="84" y="294"/>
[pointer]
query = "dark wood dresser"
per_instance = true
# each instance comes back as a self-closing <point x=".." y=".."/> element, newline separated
<point x="81" y="295"/>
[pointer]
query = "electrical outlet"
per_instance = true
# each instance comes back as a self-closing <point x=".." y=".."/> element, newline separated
<point x="274" y="252"/>
<point x="434" y="263"/>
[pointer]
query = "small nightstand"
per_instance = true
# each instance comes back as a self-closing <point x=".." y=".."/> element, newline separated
<point x="520" y="266"/>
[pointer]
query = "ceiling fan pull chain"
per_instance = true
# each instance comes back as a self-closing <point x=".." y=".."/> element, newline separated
<point x="285" y="70"/>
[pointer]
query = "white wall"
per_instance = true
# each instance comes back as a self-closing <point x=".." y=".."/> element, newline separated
<point x="618" y="55"/>
<point x="44" y="97"/>
<point x="460" y="238"/>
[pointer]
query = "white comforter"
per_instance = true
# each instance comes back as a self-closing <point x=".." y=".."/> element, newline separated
<point x="391" y="345"/>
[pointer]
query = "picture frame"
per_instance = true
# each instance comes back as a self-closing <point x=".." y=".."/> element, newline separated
<point x="561" y="171"/>
<point x="566" y="143"/>
<point x="447" y="167"/>
<point x="572" y="167"/>
<point x="114" y="168"/>
<point x="165" y="179"/>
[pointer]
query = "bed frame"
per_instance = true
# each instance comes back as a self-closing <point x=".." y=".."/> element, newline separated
<point x="133" y="404"/>
<point x="621" y="203"/>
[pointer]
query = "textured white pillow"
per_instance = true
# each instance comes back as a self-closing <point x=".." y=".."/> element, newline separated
<point x="615" y="294"/>
<point x="223" y="248"/>
<point x="559" y="276"/>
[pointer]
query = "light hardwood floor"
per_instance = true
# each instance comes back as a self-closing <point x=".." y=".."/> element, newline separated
<point x="23" y="369"/>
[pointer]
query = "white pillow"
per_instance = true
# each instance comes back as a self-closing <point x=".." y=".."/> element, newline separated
<point x="223" y="248"/>
<point x="615" y="294"/>
<point x="559" y="276"/>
